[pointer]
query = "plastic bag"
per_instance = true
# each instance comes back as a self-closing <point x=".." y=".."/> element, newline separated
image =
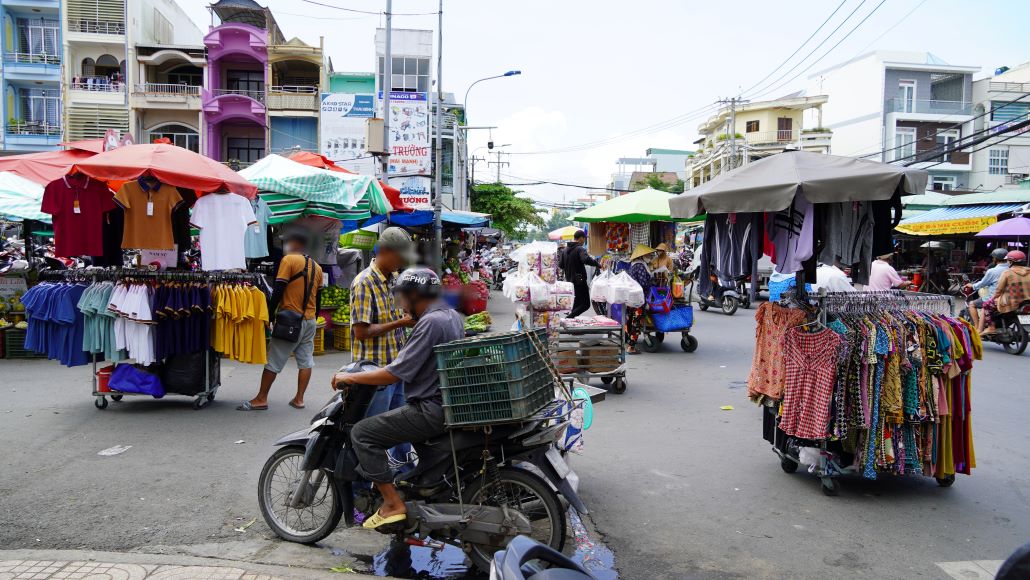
<point x="539" y="292"/>
<point x="563" y="288"/>
<point x="599" y="288"/>
<point x="677" y="287"/>
<point x="626" y="290"/>
<point x="184" y="373"/>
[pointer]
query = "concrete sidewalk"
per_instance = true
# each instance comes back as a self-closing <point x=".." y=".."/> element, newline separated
<point x="84" y="565"/>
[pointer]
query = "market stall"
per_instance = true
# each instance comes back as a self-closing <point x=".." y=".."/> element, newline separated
<point x="857" y="382"/>
<point x="620" y="227"/>
<point x="163" y="330"/>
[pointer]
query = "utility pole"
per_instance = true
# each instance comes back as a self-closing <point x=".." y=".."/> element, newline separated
<point x="731" y="131"/>
<point x="438" y="165"/>
<point x="387" y="88"/>
<point x="473" y="161"/>
<point x="498" y="163"/>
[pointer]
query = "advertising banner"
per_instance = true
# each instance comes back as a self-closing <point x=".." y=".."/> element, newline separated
<point x="415" y="191"/>
<point x="409" y="134"/>
<point x="342" y="128"/>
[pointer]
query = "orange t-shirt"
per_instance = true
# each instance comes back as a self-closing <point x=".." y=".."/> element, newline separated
<point x="148" y="227"/>
<point x="291" y="265"/>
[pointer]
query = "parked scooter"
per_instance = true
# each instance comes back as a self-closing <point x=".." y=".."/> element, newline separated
<point x="474" y="497"/>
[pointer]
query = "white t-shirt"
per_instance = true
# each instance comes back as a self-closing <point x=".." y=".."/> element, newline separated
<point x="832" y="278"/>
<point x="222" y="219"/>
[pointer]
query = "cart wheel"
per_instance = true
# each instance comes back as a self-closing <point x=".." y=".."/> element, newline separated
<point x="116" y="398"/>
<point x="198" y="403"/>
<point x="648" y="343"/>
<point x="660" y="336"/>
<point x="688" y="343"/>
<point x="211" y="396"/>
<point x="607" y="380"/>
<point x="620" y="386"/>
<point x="946" y="481"/>
<point x="788" y="465"/>
<point x="830" y="487"/>
<point x="100" y="402"/>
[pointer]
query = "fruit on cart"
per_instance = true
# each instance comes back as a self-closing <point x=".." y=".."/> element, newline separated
<point x="22" y="325"/>
<point x="342" y="315"/>
<point x="334" y="296"/>
<point x="15" y="303"/>
<point x="320" y="321"/>
<point x="4" y="323"/>
<point x="477" y="289"/>
<point x="478" y="322"/>
<point x="4" y="307"/>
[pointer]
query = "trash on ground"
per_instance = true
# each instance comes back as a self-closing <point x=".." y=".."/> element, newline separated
<point x="726" y="407"/>
<point x="244" y="527"/>
<point x="117" y="449"/>
<point x="239" y="442"/>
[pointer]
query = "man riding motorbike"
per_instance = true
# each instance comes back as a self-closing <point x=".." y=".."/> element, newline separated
<point x="422" y="418"/>
<point x="989" y="282"/>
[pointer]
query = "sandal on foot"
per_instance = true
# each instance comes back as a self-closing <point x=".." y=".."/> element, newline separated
<point x="246" y="406"/>
<point x="375" y="520"/>
<point x="296" y="406"/>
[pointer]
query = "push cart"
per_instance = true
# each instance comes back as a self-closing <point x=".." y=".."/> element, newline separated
<point x="594" y="351"/>
<point x="212" y="380"/>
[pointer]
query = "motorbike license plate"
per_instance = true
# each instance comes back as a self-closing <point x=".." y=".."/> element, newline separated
<point x="1024" y="319"/>
<point x="558" y="463"/>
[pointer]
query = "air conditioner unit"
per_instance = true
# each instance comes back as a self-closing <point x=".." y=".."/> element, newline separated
<point x="374" y="136"/>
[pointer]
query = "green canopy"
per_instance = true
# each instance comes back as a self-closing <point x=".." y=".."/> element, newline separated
<point x="20" y="198"/>
<point x="284" y="208"/>
<point x="315" y="185"/>
<point x="646" y="205"/>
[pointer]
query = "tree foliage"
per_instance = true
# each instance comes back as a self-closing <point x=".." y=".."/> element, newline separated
<point x="509" y="213"/>
<point x="655" y="182"/>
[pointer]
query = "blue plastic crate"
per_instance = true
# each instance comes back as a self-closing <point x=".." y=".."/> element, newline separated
<point x="679" y="318"/>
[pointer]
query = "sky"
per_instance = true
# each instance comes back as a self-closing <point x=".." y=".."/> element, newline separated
<point x="610" y="79"/>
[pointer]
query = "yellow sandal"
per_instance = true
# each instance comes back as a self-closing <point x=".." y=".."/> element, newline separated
<point x="375" y="520"/>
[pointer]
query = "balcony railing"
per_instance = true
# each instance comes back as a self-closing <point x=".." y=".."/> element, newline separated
<point x="929" y="107"/>
<point x="771" y="137"/>
<point x="1009" y="87"/>
<point x="97" y="27"/>
<point x="258" y="96"/>
<point x="31" y="58"/>
<point x="167" y="89"/>
<point x="97" y="84"/>
<point x="32" y="128"/>
<point x="293" y="97"/>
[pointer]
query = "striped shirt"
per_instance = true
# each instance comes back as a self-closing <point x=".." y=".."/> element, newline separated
<point x="372" y="302"/>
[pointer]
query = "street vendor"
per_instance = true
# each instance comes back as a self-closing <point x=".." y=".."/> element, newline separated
<point x="575" y="259"/>
<point x="662" y="259"/>
<point x="640" y="272"/>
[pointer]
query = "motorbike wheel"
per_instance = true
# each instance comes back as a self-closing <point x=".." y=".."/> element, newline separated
<point x="649" y="343"/>
<point x="523" y="491"/>
<point x="729" y="305"/>
<point x="1020" y="339"/>
<point x="276" y="484"/>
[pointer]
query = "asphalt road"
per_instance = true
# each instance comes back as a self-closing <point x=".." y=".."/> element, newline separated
<point x="677" y="488"/>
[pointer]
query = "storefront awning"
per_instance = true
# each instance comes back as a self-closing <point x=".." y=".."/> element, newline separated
<point x="954" y="220"/>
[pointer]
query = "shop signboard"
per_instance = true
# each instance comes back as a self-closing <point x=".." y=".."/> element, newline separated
<point x="415" y="191"/>
<point x="342" y="128"/>
<point x="409" y="134"/>
<point x="12" y="285"/>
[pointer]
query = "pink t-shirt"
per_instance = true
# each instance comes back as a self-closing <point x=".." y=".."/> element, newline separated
<point x="882" y="276"/>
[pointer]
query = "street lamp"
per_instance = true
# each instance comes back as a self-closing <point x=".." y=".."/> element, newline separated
<point x="510" y="73"/>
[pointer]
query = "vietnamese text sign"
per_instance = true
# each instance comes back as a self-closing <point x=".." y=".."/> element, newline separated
<point x="409" y="134"/>
<point x="342" y="125"/>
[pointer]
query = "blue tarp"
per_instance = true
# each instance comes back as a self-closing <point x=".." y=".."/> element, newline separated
<point x="418" y="218"/>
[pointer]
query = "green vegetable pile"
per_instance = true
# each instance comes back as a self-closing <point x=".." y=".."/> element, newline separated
<point x="478" y="322"/>
<point x="334" y="296"/>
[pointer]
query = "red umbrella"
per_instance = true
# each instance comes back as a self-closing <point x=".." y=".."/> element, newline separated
<point x="315" y="160"/>
<point x="45" y="166"/>
<point x="169" y="164"/>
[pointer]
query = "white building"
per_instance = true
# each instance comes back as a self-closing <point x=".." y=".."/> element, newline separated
<point x="999" y="165"/>
<point x="900" y="106"/>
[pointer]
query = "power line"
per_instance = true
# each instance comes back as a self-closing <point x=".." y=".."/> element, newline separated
<point x="895" y="25"/>
<point x="372" y="12"/>
<point x="1007" y="130"/>
<point x="811" y="52"/>
<point x="825" y="54"/>
<point x="798" y="49"/>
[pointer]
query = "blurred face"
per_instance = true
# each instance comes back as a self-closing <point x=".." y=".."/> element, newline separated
<point x="295" y="247"/>
<point x="406" y="303"/>
<point x="389" y="260"/>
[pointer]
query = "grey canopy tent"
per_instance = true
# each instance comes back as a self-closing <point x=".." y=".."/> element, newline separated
<point x="771" y="185"/>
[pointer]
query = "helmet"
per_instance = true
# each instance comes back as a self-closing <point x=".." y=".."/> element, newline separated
<point x="422" y="282"/>
<point x="1015" y="256"/>
<point x="999" y="254"/>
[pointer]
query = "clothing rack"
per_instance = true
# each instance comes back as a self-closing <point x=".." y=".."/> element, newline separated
<point x="869" y="302"/>
<point x="93" y="275"/>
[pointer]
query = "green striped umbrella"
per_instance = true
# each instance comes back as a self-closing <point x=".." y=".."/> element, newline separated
<point x="284" y="207"/>
<point x="282" y="175"/>
<point x="21" y="198"/>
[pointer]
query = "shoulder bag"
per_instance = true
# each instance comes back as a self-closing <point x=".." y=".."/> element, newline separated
<point x="288" y="322"/>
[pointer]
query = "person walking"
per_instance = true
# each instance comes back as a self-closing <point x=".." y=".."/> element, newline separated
<point x="574" y="263"/>
<point x="377" y="321"/>
<point x="296" y="289"/>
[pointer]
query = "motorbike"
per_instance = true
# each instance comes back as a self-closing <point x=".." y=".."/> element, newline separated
<point x="501" y="266"/>
<point x="1013" y="328"/>
<point x="723" y="297"/>
<point x="527" y="559"/>
<point x="476" y="490"/>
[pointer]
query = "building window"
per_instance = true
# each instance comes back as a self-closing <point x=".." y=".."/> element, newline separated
<point x="410" y="74"/>
<point x="943" y="182"/>
<point x="904" y="142"/>
<point x="998" y="162"/>
<point x="179" y="135"/>
<point x="245" y="149"/>
<point x="752" y="127"/>
<point x="40" y="111"/>
<point x="186" y="75"/>
<point x="249" y="81"/>
<point x="906" y="96"/>
<point x="38" y="37"/>
<point x="945" y="141"/>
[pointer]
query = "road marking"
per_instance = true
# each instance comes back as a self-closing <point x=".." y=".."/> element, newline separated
<point x="971" y="569"/>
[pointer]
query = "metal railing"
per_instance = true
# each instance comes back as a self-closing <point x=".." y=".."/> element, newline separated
<point x="295" y="89"/>
<point x="1009" y="87"/>
<point x="32" y="128"/>
<point x="96" y="26"/>
<point x="780" y="136"/>
<point x="97" y="84"/>
<point x="167" y="89"/>
<point x="31" y="58"/>
<point x="258" y="96"/>
<point x="929" y="107"/>
<point x="307" y="101"/>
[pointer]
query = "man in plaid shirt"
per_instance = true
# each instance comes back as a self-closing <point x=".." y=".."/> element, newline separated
<point x="378" y="323"/>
